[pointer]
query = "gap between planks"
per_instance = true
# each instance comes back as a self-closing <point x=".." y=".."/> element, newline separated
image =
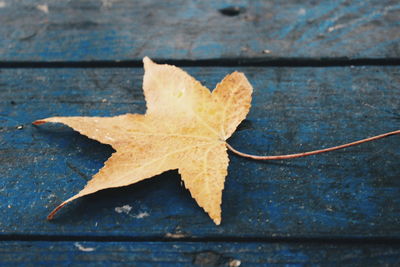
<point x="228" y="239"/>
<point x="228" y="62"/>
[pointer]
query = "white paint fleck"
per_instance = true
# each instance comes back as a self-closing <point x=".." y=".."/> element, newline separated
<point x="336" y="27"/>
<point x="302" y="11"/>
<point x="141" y="215"/>
<point x="124" y="209"/>
<point x="43" y="8"/>
<point x="175" y="235"/>
<point x="2" y="4"/>
<point x="84" y="249"/>
<point x="235" y="263"/>
<point x="107" y="3"/>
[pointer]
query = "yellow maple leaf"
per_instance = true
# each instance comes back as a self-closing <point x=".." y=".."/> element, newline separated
<point x="184" y="128"/>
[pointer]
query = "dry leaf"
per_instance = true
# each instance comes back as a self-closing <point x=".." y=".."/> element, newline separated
<point x="184" y="128"/>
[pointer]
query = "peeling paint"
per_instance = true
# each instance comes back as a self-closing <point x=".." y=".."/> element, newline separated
<point x="302" y="12"/>
<point x="107" y="3"/>
<point x="175" y="235"/>
<point x="82" y="248"/>
<point x="127" y="209"/>
<point x="124" y="209"/>
<point x="336" y="27"/>
<point x="234" y="263"/>
<point x="141" y="215"/>
<point x="43" y="8"/>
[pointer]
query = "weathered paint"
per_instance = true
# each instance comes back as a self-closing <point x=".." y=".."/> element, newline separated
<point x="354" y="193"/>
<point x="41" y="253"/>
<point x="190" y="30"/>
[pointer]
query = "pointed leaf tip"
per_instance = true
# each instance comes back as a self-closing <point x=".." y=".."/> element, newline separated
<point x="39" y="122"/>
<point x="51" y="214"/>
<point x="147" y="61"/>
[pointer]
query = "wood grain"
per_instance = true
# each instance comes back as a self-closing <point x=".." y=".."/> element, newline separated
<point x="110" y="30"/>
<point x="354" y="193"/>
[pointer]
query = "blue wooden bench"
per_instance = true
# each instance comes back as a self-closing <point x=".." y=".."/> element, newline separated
<point x="324" y="73"/>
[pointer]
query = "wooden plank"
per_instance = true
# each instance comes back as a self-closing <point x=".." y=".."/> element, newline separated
<point x="196" y="254"/>
<point x="345" y="194"/>
<point x="129" y="30"/>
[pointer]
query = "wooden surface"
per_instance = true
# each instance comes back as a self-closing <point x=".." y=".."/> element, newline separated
<point x="191" y="30"/>
<point x="83" y="58"/>
<point x="349" y="193"/>
<point x="67" y="253"/>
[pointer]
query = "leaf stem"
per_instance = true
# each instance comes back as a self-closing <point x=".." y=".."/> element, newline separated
<point x="304" y="154"/>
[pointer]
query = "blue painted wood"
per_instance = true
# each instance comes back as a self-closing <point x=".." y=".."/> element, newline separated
<point x="353" y="193"/>
<point x="196" y="254"/>
<point x="32" y="30"/>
